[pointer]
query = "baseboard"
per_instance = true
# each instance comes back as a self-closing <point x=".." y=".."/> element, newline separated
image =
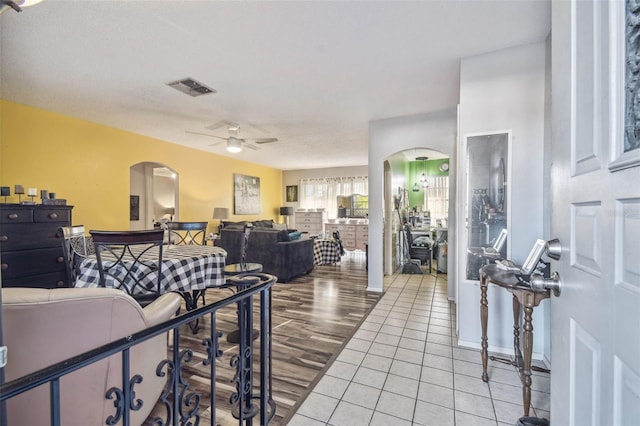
<point x="499" y="350"/>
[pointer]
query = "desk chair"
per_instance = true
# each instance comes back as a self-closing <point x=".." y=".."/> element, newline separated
<point x="75" y="247"/>
<point x="242" y="268"/>
<point x="128" y="259"/>
<point x="418" y="251"/>
<point x="187" y="233"/>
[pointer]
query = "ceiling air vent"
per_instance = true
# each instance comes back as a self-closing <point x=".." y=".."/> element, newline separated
<point x="191" y="87"/>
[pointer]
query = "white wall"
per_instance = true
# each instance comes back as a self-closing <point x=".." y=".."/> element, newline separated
<point x="499" y="91"/>
<point x="436" y="131"/>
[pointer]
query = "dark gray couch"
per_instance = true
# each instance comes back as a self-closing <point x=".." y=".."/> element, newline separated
<point x="272" y="248"/>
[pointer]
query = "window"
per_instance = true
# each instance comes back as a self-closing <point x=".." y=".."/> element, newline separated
<point x="323" y="192"/>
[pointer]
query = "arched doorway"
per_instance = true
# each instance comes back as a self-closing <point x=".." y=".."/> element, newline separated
<point x="416" y="188"/>
<point x="154" y="187"/>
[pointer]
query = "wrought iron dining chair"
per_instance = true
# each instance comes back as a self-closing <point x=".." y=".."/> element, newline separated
<point x="76" y="246"/>
<point x="131" y="261"/>
<point x="236" y="269"/>
<point x="188" y="233"/>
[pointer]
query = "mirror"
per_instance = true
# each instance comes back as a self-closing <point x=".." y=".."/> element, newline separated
<point x="486" y="196"/>
<point x="354" y="205"/>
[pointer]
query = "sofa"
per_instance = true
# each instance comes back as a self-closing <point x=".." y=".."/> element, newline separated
<point x="46" y="326"/>
<point x="274" y="249"/>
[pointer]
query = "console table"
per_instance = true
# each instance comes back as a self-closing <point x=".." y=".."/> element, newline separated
<point x="528" y="298"/>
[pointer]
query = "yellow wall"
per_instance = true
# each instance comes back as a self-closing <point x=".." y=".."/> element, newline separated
<point x="88" y="164"/>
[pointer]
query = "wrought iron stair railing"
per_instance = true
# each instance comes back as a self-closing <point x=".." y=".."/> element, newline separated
<point x="181" y="404"/>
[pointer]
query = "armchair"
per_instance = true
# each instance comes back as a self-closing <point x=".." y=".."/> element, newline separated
<point x="43" y="327"/>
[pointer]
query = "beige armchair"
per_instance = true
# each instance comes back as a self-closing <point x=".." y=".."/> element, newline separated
<point x="42" y="327"/>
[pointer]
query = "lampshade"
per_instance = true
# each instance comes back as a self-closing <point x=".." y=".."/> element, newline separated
<point x="286" y="211"/>
<point x="234" y="145"/>
<point x="220" y="213"/>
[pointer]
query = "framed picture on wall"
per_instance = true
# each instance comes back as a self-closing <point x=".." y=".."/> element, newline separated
<point x="246" y="194"/>
<point x="292" y="193"/>
<point x="134" y="207"/>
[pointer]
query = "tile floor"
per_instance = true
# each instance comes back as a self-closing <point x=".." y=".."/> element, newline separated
<point x="402" y="367"/>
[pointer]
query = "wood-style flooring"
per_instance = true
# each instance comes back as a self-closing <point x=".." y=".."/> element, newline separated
<point x="313" y="317"/>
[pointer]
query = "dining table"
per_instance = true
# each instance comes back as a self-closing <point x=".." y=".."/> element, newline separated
<point x="186" y="269"/>
<point x="326" y="251"/>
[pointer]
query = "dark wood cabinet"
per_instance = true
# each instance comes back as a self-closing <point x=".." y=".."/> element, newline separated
<point x="30" y="249"/>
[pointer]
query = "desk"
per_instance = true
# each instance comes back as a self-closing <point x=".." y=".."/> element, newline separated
<point x="326" y="251"/>
<point x="184" y="269"/>
<point x="528" y="298"/>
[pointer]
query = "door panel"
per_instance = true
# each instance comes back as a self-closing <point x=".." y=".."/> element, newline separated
<point x="595" y="347"/>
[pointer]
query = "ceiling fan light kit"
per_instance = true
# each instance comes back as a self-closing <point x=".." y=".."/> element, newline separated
<point x="234" y="145"/>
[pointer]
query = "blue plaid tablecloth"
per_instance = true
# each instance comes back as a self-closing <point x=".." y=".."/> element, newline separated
<point x="326" y="251"/>
<point x="184" y="268"/>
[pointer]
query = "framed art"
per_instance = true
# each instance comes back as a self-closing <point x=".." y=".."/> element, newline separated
<point x="246" y="194"/>
<point x="292" y="193"/>
<point x="624" y="106"/>
<point x="134" y="207"/>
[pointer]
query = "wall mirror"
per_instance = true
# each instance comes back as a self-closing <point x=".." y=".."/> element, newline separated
<point x="486" y="206"/>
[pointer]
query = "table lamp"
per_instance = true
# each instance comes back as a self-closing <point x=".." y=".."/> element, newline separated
<point x="220" y="213"/>
<point x="286" y="212"/>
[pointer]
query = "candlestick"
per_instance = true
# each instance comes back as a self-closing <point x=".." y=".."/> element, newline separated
<point x="5" y="191"/>
<point x="19" y="190"/>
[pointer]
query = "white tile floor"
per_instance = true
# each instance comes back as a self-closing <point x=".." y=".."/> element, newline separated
<point x="402" y="367"/>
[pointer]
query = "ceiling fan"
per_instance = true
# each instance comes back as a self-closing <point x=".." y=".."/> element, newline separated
<point x="234" y="143"/>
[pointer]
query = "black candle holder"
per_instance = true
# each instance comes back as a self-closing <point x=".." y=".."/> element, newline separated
<point x="5" y="191"/>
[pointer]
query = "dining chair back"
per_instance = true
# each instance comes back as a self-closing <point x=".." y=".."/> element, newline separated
<point x="187" y="233"/>
<point x="130" y="261"/>
<point x="336" y="237"/>
<point x="75" y="247"/>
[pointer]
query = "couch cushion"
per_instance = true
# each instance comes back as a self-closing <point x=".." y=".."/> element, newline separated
<point x="263" y="223"/>
<point x="280" y="226"/>
<point x="233" y="225"/>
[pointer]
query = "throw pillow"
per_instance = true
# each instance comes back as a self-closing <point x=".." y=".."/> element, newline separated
<point x="295" y="235"/>
<point x="280" y="226"/>
<point x="283" y="236"/>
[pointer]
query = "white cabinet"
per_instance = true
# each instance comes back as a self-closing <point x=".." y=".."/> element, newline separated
<point x="353" y="236"/>
<point x="362" y="236"/>
<point x="310" y="222"/>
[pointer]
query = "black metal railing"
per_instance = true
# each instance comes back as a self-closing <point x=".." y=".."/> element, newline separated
<point x="181" y="404"/>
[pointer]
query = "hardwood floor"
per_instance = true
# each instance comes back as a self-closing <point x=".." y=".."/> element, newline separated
<point x="313" y="317"/>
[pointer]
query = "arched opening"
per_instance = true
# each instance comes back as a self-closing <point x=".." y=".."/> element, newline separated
<point x="154" y="195"/>
<point x="416" y="188"/>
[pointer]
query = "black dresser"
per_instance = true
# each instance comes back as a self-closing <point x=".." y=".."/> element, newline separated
<point x="30" y="249"/>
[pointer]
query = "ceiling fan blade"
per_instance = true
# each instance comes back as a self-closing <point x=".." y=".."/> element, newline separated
<point x="217" y="143"/>
<point x="263" y="140"/>
<point x="205" y="134"/>
<point x="248" y="145"/>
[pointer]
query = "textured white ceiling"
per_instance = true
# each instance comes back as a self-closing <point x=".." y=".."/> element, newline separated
<point x="310" y="73"/>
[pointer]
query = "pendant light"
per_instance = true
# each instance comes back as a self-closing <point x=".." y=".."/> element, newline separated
<point x="423" y="176"/>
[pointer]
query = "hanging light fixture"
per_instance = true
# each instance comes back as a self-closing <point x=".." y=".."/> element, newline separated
<point x="423" y="176"/>
<point x="16" y="5"/>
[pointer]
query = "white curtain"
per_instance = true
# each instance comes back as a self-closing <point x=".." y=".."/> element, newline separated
<point x="323" y="192"/>
<point x="437" y="197"/>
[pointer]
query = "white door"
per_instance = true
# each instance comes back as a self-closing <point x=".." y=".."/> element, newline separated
<point x="595" y="323"/>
